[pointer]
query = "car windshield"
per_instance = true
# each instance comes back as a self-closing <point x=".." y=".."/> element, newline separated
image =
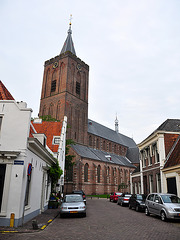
<point x="127" y="195"/>
<point x="118" y="193"/>
<point x="140" y="197"/>
<point x="74" y="198"/>
<point x="170" y="199"/>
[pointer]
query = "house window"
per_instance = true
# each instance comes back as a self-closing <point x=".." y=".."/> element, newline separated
<point x="78" y="88"/>
<point x="104" y="145"/>
<point x="86" y="172"/>
<point x="151" y="183"/>
<point x="53" y="86"/>
<point x="110" y="149"/>
<point x="27" y="190"/>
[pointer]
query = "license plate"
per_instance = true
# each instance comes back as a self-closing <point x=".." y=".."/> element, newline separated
<point x="73" y="212"/>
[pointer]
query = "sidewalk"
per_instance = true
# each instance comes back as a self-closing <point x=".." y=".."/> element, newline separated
<point x="42" y="219"/>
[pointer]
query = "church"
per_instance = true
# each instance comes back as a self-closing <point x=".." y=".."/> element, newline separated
<point x="103" y="158"/>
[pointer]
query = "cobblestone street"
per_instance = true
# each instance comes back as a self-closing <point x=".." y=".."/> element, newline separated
<point x="105" y="220"/>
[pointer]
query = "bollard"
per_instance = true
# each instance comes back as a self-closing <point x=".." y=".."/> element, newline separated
<point x="12" y="220"/>
<point x="34" y="224"/>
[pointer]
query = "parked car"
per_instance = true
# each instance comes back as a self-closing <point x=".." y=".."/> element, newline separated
<point x="137" y="201"/>
<point x="124" y="199"/>
<point x="72" y="204"/>
<point x="114" y="196"/>
<point x="81" y="193"/>
<point x="164" y="205"/>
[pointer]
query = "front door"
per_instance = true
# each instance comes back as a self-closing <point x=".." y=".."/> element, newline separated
<point x="171" y="185"/>
<point x="2" y="177"/>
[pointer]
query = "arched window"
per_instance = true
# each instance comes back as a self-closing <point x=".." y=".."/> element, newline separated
<point x="86" y="172"/>
<point x="110" y="148"/>
<point x="98" y="173"/>
<point x="104" y="145"/>
<point x="51" y="110"/>
<point x="97" y="143"/>
<point x="90" y="141"/>
<point x="115" y="148"/>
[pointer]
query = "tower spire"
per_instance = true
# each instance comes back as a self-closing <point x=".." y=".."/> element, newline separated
<point x="116" y="125"/>
<point x="68" y="44"/>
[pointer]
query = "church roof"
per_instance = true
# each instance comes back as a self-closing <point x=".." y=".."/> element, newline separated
<point x="68" y="45"/>
<point x="100" y="155"/>
<point x="107" y="133"/>
<point x="4" y="93"/>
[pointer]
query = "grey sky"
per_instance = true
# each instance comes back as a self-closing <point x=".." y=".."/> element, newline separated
<point x="132" y="48"/>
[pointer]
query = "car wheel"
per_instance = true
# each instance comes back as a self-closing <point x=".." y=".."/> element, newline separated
<point x="130" y="206"/>
<point x="84" y="214"/>
<point x="110" y="200"/>
<point x="147" y="211"/>
<point x="61" y="215"/>
<point x="163" y="216"/>
<point x="137" y="209"/>
<point x="121" y="204"/>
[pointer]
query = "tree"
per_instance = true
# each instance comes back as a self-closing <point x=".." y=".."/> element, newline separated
<point x="55" y="172"/>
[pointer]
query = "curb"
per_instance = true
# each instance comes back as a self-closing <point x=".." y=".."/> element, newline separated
<point x="30" y="231"/>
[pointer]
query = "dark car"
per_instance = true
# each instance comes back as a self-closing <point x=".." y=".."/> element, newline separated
<point x="137" y="201"/>
<point x="114" y="196"/>
<point x="81" y="193"/>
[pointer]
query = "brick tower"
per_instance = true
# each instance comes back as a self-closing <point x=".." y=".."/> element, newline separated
<point x="65" y="90"/>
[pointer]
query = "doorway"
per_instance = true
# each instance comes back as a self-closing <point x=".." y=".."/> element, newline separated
<point x="2" y="177"/>
<point x="171" y="185"/>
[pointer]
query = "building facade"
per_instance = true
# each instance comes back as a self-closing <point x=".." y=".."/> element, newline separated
<point x="154" y="151"/>
<point x="24" y="163"/>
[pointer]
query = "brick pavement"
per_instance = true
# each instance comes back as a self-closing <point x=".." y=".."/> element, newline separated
<point x="108" y="221"/>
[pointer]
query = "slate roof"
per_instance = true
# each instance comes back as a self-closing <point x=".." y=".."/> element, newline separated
<point x="170" y="125"/>
<point x="68" y="44"/>
<point x="107" y="133"/>
<point x="4" y="93"/>
<point x="173" y="157"/>
<point x="50" y="129"/>
<point x="99" y="155"/>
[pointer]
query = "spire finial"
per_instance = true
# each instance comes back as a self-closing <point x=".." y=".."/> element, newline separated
<point x="70" y="19"/>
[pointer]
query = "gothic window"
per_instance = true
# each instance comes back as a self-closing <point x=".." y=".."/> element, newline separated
<point x="51" y="110"/>
<point x="53" y="86"/>
<point x="90" y="141"/>
<point x="115" y="148"/>
<point x="108" y="173"/>
<point x="78" y="88"/>
<point x="44" y="111"/>
<point x="98" y="173"/>
<point x="110" y="148"/>
<point x="58" y="111"/>
<point x="86" y="172"/>
<point x="97" y="143"/>
<point x="104" y="145"/>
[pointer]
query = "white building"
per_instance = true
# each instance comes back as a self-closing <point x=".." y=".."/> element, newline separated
<point x="23" y="192"/>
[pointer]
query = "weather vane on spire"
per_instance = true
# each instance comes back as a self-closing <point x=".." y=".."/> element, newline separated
<point x="70" y="19"/>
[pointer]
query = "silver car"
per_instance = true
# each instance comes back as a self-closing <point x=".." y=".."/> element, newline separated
<point x="124" y="199"/>
<point x="164" y="205"/>
<point x="73" y="204"/>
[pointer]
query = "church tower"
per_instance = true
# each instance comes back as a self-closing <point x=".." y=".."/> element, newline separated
<point x="65" y="90"/>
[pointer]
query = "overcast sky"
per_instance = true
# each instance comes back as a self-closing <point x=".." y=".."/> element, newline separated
<point x="131" y="46"/>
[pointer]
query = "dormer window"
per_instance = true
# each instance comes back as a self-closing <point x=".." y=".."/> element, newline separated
<point x="56" y="140"/>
